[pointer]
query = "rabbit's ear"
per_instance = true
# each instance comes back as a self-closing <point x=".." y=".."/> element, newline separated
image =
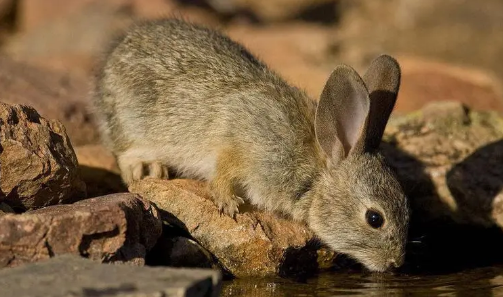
<point x="383" y="81"/>
<point x="342" y="113"/>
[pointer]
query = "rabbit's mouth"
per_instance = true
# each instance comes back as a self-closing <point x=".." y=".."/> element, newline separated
<point x="380" y="266"/>
<point x="376" y="262"/>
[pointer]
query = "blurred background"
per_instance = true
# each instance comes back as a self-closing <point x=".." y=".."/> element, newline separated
<point x="448" y="49"/>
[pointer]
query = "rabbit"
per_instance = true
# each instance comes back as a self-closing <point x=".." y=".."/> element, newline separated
<point x="176" y="95"/>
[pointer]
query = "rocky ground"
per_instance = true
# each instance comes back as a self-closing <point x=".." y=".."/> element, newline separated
<point x="60" y="192"/>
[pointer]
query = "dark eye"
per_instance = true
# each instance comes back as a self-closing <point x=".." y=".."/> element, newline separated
<point x="374" y="219"/>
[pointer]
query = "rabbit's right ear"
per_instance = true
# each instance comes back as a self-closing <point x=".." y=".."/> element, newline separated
<point x="342" y="113"/>
<point x="383" y="81"/>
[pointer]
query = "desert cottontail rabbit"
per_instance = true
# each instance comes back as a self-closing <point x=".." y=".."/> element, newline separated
<point x="173" y="94"/>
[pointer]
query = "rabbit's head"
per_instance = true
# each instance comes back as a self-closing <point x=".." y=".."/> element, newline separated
<point x="358" y="207"/>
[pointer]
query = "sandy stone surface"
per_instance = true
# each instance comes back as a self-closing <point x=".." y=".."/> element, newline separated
<point x="254" y="243"/>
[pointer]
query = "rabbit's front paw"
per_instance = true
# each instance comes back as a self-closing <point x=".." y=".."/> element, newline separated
<point x="228" y="204"/>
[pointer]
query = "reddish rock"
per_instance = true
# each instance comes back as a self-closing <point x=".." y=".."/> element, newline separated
<point x="49" y="39"/>
<point x="53" y="94"/>
<point x="38" y="166"/>
<point x="425" y="81"/>
<point x="274" y="10"/>
<point x="34" y="14"/>
<point x="254" y="243"/>
<point x="113" y="228"/>
<point x="154" y="9"/>
<point x="304" y="55"/>
<point x="448" y="158"/>
<point x="461" y="32"/>
<point x="297" y="51"/>
<point x="48" y="29"/>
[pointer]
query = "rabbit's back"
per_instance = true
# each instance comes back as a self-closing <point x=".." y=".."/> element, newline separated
<point x="183" y="94"/>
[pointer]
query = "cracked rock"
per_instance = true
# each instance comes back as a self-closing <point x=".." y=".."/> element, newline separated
<point x="112" y="228"/>
<point x="38" y="166"/>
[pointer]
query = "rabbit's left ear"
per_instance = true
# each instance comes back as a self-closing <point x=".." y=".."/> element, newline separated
<point x="342" y="114"/>
<point x="383" y="81"/>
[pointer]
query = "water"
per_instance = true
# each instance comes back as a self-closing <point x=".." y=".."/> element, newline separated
<point x="486" y="281"/>
<point x="442" y="261"/>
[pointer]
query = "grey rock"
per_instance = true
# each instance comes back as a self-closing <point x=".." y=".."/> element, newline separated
<point x="73" y="276"/>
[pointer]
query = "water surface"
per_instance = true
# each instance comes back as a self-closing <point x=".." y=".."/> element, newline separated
<point x="442" y="260"/>
<point x="487" y="281"/>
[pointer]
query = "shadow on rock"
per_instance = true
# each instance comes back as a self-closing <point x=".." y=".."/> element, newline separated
<point x="100" y="182"/>
<point x="416" y="183"/>
<point x="476" y="184"/>
<point x="177" y="248"/>
<point x="440" y="244"/>
<point x="300" y="263"/>
<point x="447" y="247"/>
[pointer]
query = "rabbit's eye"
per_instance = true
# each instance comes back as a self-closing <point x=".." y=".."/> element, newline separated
<point x="374" y="219"/>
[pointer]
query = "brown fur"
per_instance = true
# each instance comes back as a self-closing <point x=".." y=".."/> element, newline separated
<point x="173" y="94"/>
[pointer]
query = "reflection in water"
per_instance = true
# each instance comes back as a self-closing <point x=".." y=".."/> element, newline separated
<point x="475" y="282"/>
<point x="446" y="260"/>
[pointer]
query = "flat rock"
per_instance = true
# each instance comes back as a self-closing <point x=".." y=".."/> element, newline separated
<point x="113" y="228"/>
<point x="449" y="158"/>
<point x="55" y="95"/>
<point x="255" y="243"/>
<point x="38" y="166"/>
<point x="73" y="276"/>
